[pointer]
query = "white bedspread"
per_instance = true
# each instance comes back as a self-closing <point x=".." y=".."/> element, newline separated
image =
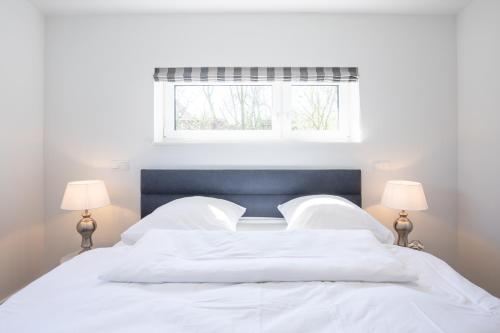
<point x="72" y="298"/>
<point x="269" y="256"/>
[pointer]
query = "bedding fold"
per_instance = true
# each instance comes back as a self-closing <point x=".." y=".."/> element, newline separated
<point x="196" y="256"/>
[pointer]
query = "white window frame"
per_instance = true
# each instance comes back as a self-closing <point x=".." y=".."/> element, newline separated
<point x="349" y="120"/>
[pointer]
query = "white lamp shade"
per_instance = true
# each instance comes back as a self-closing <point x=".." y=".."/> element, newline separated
<point x="86" y="194"/>
<point x="404" y="195"/>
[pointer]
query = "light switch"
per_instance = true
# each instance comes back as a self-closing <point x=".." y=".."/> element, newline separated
<point x="120" y="165"/>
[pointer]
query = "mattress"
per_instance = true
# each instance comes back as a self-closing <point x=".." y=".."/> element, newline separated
<point x="260" y="224"/>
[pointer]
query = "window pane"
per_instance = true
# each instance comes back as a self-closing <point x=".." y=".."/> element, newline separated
<point x="315" y="107"/>
<point x="222" y="107"/>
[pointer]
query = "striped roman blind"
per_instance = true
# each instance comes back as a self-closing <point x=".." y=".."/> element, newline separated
<point x="201" y="74"/>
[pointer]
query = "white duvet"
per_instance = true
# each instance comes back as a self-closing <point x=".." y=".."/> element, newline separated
<point x="269" y="256"/>
<point x="73" y="298"/>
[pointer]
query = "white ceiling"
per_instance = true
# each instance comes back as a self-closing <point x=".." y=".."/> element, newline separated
<point x="250" y="6"/>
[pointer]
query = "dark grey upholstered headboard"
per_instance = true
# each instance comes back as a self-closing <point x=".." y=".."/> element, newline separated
<point x="260" y="191"/>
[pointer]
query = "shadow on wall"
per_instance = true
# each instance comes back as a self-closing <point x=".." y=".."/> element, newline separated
<point x="479" y="260"/>
<point x="27" y="243"/>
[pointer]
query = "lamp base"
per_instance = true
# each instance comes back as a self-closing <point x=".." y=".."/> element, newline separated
<point x="403" y="227"/>
<point x="86" y="227"/>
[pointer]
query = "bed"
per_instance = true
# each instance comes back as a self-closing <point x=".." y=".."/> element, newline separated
<point x="75" y="298"/>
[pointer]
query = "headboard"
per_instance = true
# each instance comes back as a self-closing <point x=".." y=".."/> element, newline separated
<point x="260" y="191"/>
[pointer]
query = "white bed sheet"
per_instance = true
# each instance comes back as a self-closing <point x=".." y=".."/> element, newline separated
<point x="198" y="256"/>
<point x="71" y="298"/>
<point x="251" y="224"/>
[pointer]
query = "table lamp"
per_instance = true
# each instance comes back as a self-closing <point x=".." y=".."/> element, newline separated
<point x="85" y="195"/>
<point x="404" y="195"/>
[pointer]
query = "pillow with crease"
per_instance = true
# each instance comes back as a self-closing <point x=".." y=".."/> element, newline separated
<point x="331" y="212"/>
<point x="189" y="213"/>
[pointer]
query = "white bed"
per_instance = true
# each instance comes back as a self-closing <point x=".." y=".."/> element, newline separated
<point x="344" y="277"/>
<point x="73" y="298"/>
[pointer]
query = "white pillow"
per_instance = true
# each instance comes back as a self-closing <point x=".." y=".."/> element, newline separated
<point x="203" y="213"/>
<point x="331" y="212"/>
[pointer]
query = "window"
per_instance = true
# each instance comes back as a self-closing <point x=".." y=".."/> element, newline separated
<point x="223" y="107"/>
<point x="254" y="108"/>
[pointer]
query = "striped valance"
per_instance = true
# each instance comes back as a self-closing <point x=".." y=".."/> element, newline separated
<point x="200" y="74"/>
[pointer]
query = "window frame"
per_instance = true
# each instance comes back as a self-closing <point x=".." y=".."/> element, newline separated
<point x="348" y="99"/>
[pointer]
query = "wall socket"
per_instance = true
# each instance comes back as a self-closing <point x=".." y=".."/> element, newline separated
<point x="382" y="165"/>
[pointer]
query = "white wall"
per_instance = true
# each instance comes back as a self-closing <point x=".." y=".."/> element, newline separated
<point x="479" y="143"/>
<point x="100" y="107"/>
<point x="21" y="144"/>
